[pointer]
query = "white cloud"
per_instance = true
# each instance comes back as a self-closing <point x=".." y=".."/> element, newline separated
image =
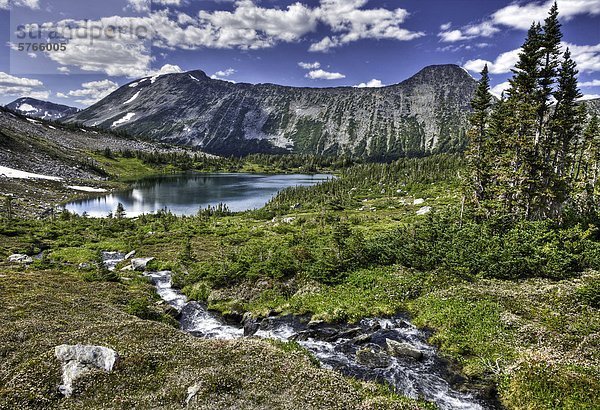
<point x="351" y="23"/>
<point x="324" y="75"/>
<point x="7" y="79"/>
<point x="497" y="89"/>
<point x="142" y="6"/>
<point x="247" y="26"/>
<point x="223" y="74"/>
<point x="589" y="97"/>
<point x="586" y="57"/>
<point x="7" y="4"/>
<point x="11" y="86"/>
<point x="166" y="69"/>
<point x="593" y="83"/>
<point x="310" y="66"/>
<point x="520" y="16"/>
<point x="446" y="26"/>
<point x="374" y="83"/>
<point x="502" y="64"/>
<point x="91" y="92"/>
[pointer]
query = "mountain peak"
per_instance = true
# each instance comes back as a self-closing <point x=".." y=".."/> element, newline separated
<point x="32" y="107"/>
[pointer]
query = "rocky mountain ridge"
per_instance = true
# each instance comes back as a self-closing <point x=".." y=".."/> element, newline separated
<point x="424" y="114"/>
<point x="46" y="110"/>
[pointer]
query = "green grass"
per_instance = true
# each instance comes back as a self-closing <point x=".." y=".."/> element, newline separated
<point x="157" y="362"/>
<point x="532" y="333"/>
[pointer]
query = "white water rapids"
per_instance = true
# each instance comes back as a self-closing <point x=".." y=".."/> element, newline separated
<point x="410" y="377"/>
<point x="334" y="346"/>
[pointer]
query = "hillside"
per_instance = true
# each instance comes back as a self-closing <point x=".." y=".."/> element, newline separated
<point x="424" y="114"/>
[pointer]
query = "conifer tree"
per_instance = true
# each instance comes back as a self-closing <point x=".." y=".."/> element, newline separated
<point x="477" y="153"/>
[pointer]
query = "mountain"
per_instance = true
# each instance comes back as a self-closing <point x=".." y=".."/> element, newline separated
<point x="424" y="114"/>
<point x="592" y="106"/>
<point x="41" y="109"/>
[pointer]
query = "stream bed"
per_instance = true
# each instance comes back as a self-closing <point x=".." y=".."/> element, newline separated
<point x="359" y="351"/>
<point x="389" y="350"/>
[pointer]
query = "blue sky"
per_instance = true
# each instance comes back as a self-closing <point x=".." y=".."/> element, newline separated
<point x="315" y="43"/>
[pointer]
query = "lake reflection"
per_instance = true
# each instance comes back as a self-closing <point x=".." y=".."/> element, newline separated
<point x="186" y="194"/>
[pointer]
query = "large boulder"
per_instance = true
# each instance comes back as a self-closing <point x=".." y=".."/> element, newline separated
<point x="78" y="360"/>
<point x="403" y="350"/>
<point x="372" y="359"/>
<point x="20" y="258"/>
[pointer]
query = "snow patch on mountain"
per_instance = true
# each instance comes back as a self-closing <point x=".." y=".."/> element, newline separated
<point x="132" y="99"/>
<point x="26" y="108"/>
<point x="123" y="120"/>
<point x="15" y="173"/>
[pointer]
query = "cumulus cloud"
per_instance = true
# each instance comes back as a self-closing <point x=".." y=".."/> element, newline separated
<point x="247" y="25"/>
<point x="11" y="86"/>
<point x="91" y="92"/>
<point x="7" y="4"/>
<point x="499" y="88"/>
<point x="587" y="58"/>
<point x="502" y="64"/>
<point x="310" y="66"/>
<point x="350" y="23"/>
<point x="142" y="6"/>
<point x="223" y="74"/>
<point x="519" y="16"/>
<point x="374" y="83"/>
<point x="324" y="75"/>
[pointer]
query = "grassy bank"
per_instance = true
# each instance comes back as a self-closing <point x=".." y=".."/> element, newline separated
<point x="514" y="306"/>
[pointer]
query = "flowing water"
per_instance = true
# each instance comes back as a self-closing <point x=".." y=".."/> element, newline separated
<point x="186" y="194"/>
<point x="336" y="347"/>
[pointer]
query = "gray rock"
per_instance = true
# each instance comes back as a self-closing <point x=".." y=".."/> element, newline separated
<point x="346" y="334"/>
<point x="140" y="264"/>
<point x="360" y="339"/>
<point x="20" y="258"/>
<point x="403" y="350"/>
<point x="374" y="360"/>
<point x="78" y="360"/>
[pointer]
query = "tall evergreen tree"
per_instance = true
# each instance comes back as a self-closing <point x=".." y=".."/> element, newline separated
<point x="551" y="39"/>
<point x="521" y="130"/>
<point x="540" y="162"/>
<point x="477" y="155"/>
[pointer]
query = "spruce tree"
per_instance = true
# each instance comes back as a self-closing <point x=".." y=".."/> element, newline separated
<point x="566" y="129"/>
<point x="521" y="131"/>
<point x="478" y="142"/>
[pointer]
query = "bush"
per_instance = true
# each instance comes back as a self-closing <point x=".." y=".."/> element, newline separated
<point x="589" y="293"/>
<point x="489" y="249"/>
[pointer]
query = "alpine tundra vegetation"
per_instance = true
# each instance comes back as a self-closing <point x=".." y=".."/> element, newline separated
<point x="452" y="260"/>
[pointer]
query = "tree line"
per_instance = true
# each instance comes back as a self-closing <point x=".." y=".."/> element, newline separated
<point x="534" y="154"/>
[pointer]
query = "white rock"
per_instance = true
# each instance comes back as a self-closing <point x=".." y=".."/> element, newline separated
<point x="424" y="210"/>
<point x="140" y="263"/>
<point x="192" y="391"/>
<point x="78" y="360"/>
<point x="20" y="258"/>
<point x="130" y="255"/>
<point x="418" y="201"/>
<point x="288" y="220"/>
